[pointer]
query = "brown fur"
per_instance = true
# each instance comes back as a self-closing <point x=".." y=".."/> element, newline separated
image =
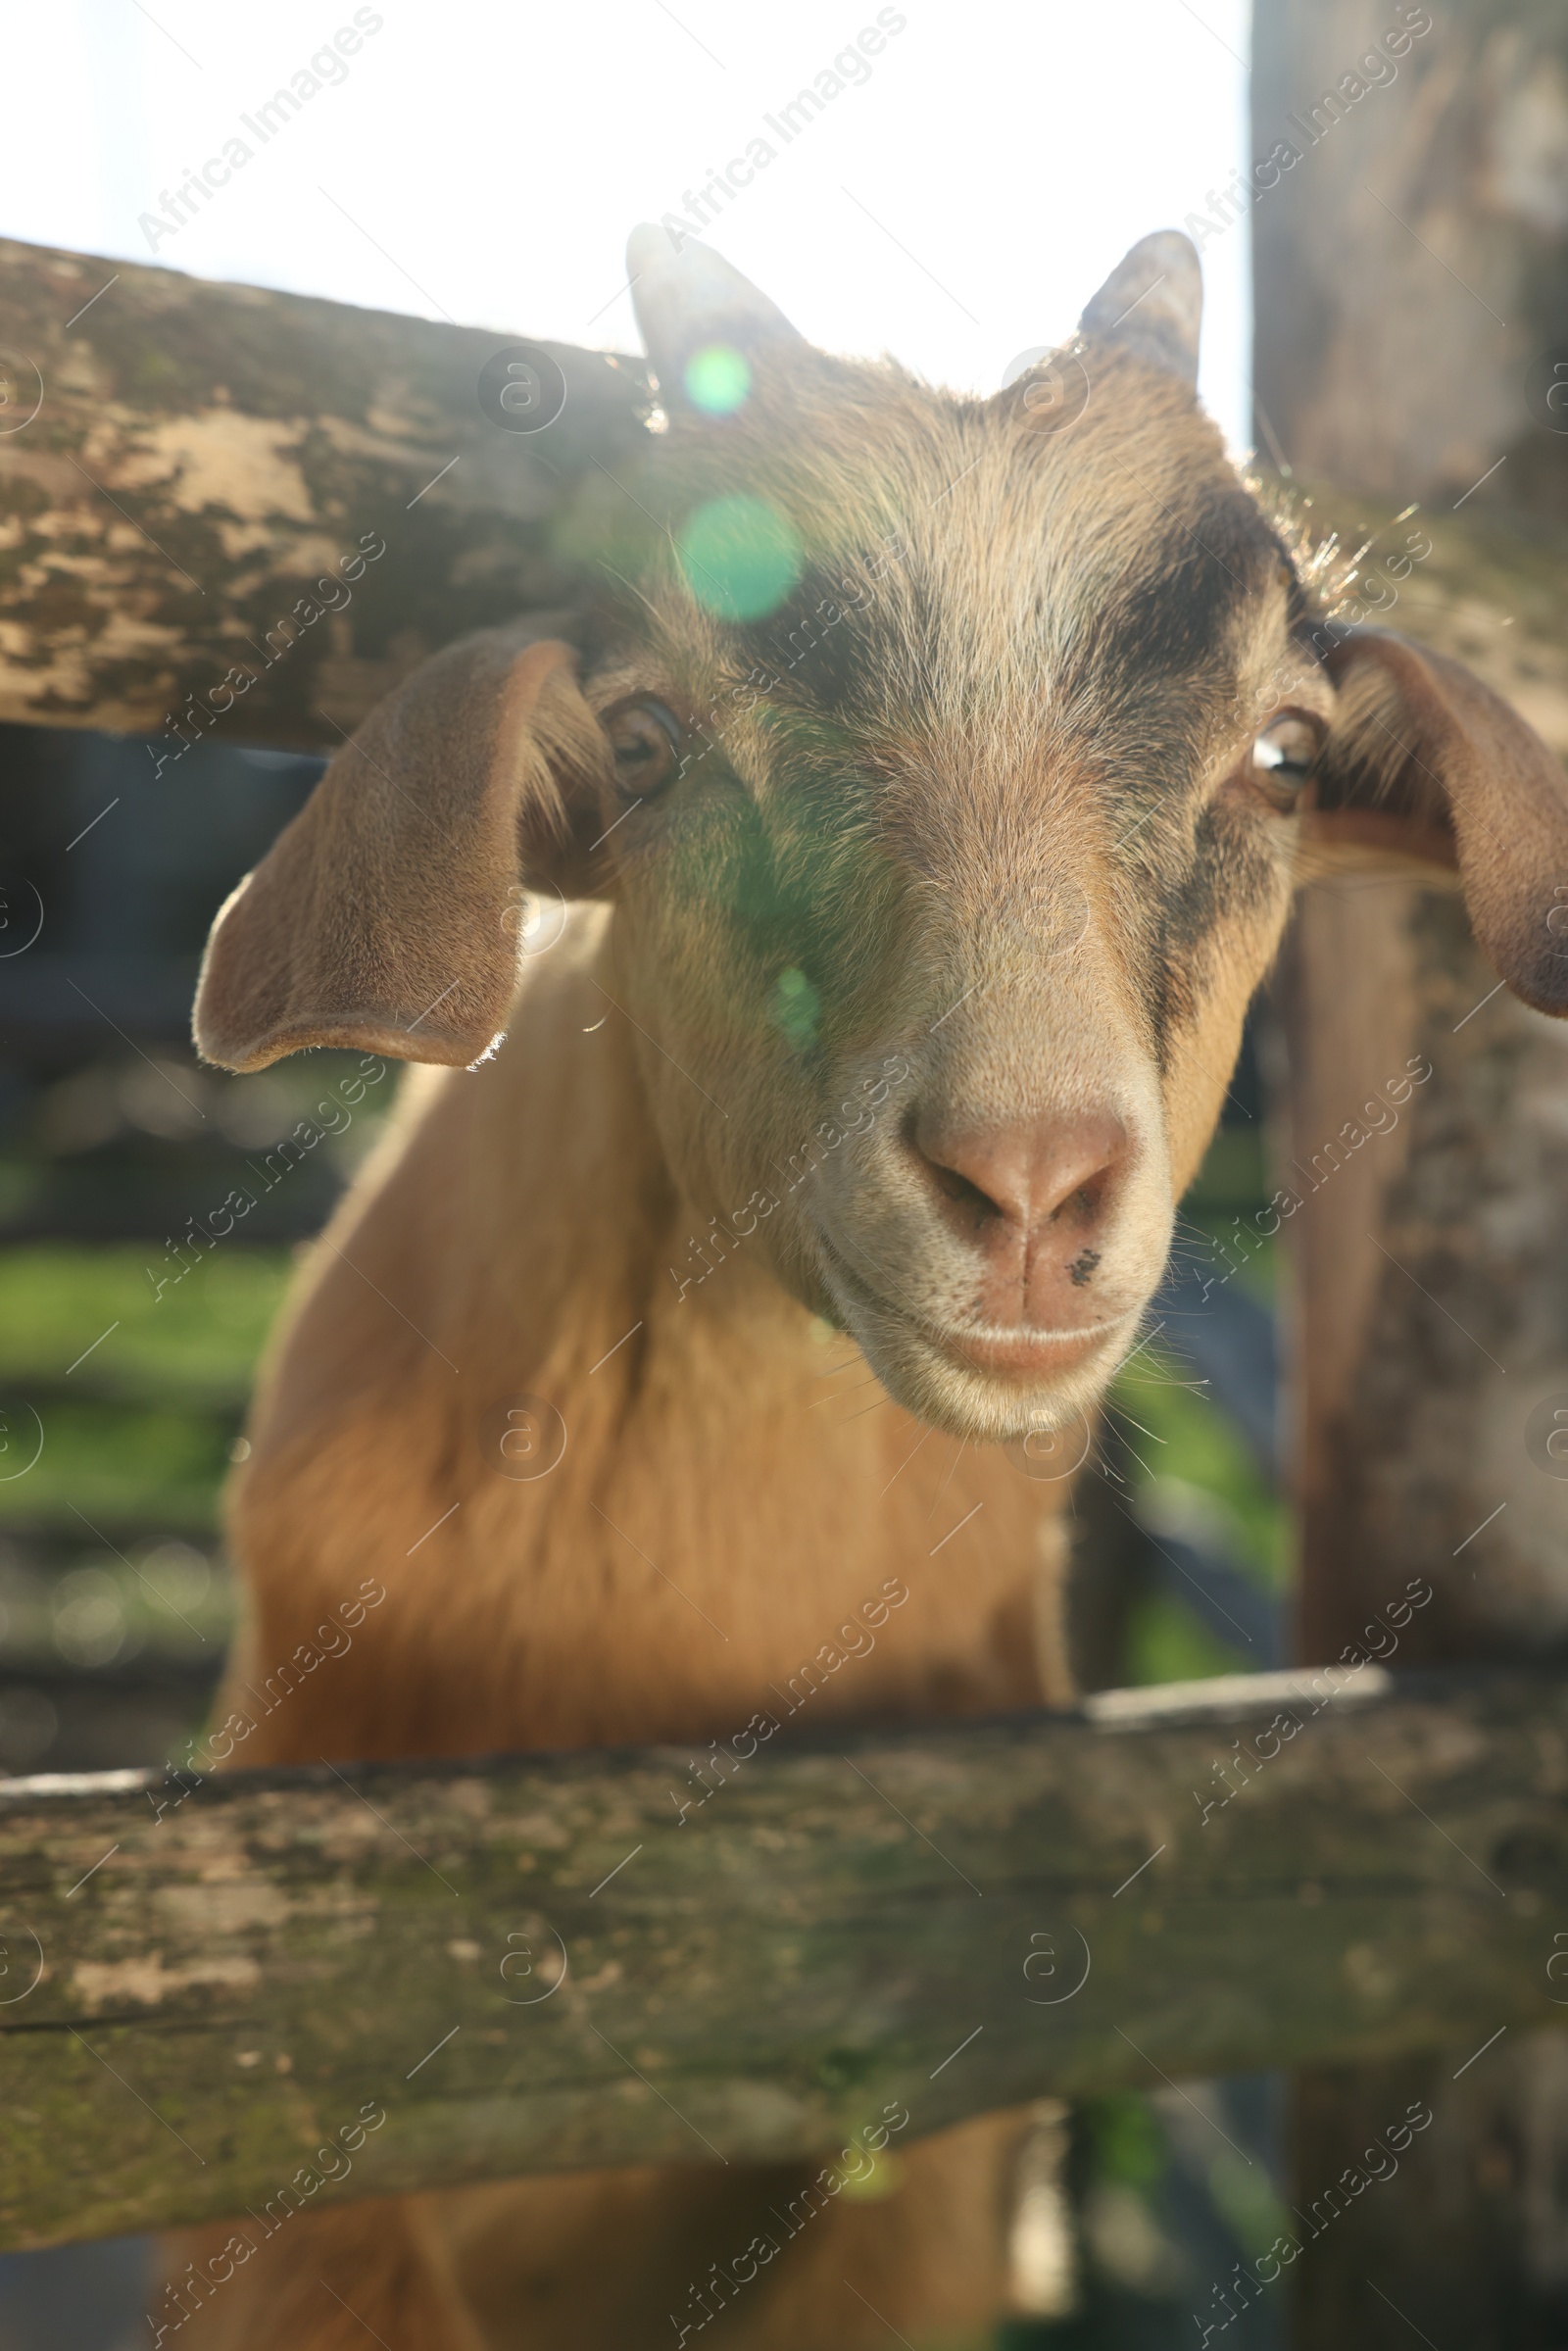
<point x="996" y="826"/>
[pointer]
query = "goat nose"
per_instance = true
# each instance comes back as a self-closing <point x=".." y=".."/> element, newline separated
<point x="1056" y="1170"/>
<point x="1016" y="1190"/>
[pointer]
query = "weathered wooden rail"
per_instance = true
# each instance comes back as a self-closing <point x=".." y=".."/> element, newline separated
<point x="195" y="480"/>
<point x="451" y="1972"/>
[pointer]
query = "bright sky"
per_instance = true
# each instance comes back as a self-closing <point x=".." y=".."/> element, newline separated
<point x="955" y="206"/>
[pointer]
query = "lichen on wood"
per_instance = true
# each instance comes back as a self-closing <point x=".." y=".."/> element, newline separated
<point x="194" y="480"/>
<point x="535" y="1962"/>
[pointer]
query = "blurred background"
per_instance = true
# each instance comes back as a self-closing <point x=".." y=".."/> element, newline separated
<point x="954" y="205"/>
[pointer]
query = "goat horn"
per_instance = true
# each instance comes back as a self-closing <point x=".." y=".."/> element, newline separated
<point x="687" y="296"/>
<point x="1152" y="304"/>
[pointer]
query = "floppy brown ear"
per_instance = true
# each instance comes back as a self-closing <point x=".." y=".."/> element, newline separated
<point x="386" y="914"/>
<point x="1422" y="758"/>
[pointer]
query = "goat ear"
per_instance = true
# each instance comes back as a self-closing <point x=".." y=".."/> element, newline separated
<point x="1152" y="304"/>
<point x="1422" y="759"/>
<point x="386" y="914"/>
<point x="687" y="297"/>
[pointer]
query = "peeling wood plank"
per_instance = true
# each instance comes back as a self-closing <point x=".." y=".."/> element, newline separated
<point x="533" y="1963"/>
<point x="183" y="463"/>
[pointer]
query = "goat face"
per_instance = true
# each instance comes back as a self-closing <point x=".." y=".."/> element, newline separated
<point x="947" y="763"/>
<point x="945" y="856"/>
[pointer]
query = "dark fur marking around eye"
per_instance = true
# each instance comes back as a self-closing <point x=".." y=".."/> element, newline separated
<point x="840" y="639"/>
<point x="1174" y="618"/>
<point x="1228" y="876"/>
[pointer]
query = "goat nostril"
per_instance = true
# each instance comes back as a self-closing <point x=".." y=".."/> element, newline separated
<point x="951" y="1181"/>
<point x="1083" y="1205"/>
<point x="962" y="1193"/>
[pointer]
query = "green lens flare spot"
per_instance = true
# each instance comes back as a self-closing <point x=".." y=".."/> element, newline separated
<point x="718" y="380"/>
<point x="740" y="558"/>
<point x="882" y="2176"/>
<point x="797" y="1009"/>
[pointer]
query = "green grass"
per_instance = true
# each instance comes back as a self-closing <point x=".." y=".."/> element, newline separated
<point x="116" y="1463"/>
<point x="1166" y="1641"/>
<point x="200" y="1338"/>
<point x="137" y="1394"/>
<point x="1179" y="1440"/>
<point x="1176" y="1435"/>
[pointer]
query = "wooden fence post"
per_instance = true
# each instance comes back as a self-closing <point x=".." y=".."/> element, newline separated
<point x="1412" y="331"/>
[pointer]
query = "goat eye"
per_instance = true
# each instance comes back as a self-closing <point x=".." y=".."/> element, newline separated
<point x="1284" y="756"/>
<point x="647" y="741"/>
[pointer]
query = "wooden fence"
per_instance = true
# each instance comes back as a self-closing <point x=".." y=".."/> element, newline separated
<point x="532" y="1963"/>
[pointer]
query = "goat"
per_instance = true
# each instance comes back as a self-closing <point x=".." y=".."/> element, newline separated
<point x="913" y="820"/>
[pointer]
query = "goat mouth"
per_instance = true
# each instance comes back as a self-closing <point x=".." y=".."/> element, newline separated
<point x="1032" y="1352"/>
<point x="987" y="1348"/>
